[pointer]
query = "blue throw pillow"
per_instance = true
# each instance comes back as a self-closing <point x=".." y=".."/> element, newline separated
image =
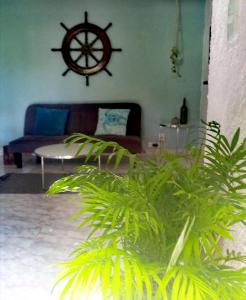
<point x="50" y="121"/>
<point x="112" y="121"/>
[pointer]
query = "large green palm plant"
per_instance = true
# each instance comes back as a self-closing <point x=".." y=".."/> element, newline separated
<point x="154" y="233"/>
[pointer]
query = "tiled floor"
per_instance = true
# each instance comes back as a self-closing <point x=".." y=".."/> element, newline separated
<point x="35" y="233"/>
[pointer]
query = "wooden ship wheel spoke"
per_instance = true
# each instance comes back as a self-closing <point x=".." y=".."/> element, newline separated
<point x="86" y="49"/>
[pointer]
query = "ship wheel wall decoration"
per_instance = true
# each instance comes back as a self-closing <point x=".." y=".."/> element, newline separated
<point x="86" y="49"/>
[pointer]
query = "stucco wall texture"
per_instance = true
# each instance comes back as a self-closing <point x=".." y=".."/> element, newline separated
<point x="227" y="72"/>
<point x="227" y="79"/>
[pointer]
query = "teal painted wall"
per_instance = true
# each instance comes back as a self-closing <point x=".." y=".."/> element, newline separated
<point x="30" y="72"/>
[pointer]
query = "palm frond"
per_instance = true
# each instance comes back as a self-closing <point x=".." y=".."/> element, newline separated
<point x="84" y="174"/>
<point x="114" y="273"/>
<point x="127" y="210"/>
<point x="99" y="147"/>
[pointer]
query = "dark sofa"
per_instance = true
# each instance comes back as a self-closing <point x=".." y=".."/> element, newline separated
<point x="81" y="118"/>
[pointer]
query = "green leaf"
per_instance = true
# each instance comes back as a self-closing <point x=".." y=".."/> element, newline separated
<point x="67" y="287"/>
<point x="148" y="285"/>
<point x="168" y="276"/>
<point x="176" y="286"/>
<point x="206" y="246"/>
<point x="126" y="220"/>
<point x="196" y="249"/>
<point x="190" y="291"/>
<point x="116" y="278"/>
<point x="158" y="282"/>
<point x="223" y="232"/>
<point x="138" y="278"/>
<point x="180" y="243"/>
<point x="92" y="151"/>
<point x="225" y="142"/>
<point x="214" y="243"/>
<point x="235" y="140"/>
<point x="105" y="277"/>
<point x="92" y="283"/>
<point x="128" y="278"/>
<point x="183" y="289"/>
<point x="120" y="154"/>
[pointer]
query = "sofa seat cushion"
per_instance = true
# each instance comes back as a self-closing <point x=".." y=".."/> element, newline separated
<point x="28" y="143"/>
<point x="130" y="142"/>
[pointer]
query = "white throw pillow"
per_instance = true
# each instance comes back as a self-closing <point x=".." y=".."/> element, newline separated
<point x="112" y="121"/>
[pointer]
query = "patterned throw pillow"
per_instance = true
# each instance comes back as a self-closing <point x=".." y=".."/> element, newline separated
<point x="112" y="121"/>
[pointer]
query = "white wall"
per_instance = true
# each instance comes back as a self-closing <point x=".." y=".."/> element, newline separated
<point x="227" y="72"/>
<point x="227" y="79"/>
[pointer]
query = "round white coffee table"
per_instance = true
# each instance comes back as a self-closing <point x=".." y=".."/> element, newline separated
<point x="61" y="151"/>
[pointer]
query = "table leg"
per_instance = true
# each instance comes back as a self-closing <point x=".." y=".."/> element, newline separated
<point x="42" y="170"/>
<point x="177" y="140"/>
<point x="186" y="137"/>
<point x="62" y="161"/>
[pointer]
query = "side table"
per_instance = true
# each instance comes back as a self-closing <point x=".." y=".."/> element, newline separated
<point x="177" y="128"/>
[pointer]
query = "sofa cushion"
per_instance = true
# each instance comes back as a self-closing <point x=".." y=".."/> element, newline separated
<point x="112" y="121"/>
<point x="50" y="121"/>
<point x="28" y="143"/>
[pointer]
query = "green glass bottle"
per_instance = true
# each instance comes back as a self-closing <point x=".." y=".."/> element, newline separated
<point x="184" y="113"/>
